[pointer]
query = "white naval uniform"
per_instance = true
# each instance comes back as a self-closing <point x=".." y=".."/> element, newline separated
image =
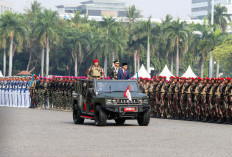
<point x="23" y="94"/>
<point x="19" y="103"/>
<point x="15" y="94"/>
<point x="27" y="95"/>
<point x="3" y="92"/>
<point x="7" y="100"/>
<point x="11" y="93"/>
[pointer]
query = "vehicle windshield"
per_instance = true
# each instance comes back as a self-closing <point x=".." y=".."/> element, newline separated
<point x="116" y="86"/>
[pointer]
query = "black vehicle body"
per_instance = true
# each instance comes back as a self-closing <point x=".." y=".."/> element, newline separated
<point x="102" y="100"/>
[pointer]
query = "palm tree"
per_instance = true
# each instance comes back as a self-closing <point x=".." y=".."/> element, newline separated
<point x="13" y="25"/>
<point x="132" y="15"/>
<point x="144" y="30"/>
<point x="107" y="24"/>
<point x="177" y="33"/>
<point x="3" y="42"/>
<point x="47" y="32"/>
<point x="166" y="44"/>
<point x="31" y="19"/>
<point x="221" y="17"/>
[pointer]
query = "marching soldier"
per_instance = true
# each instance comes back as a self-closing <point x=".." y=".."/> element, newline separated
<point x="170" y="91"/>
<point x="176" y="98"/>
<point x="230" y="100"/>
<point x="151" y="94"/>
<point x="183" y="97"/>
<point x="225" y="93"/>
<point x="196" y="111"/>
<point x="203" y="95"/>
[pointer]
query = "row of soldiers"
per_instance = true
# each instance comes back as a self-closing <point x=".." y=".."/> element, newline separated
<point x="190" y="98"/>
<point x="55" y="92"/>
<point x="14" y="92"/>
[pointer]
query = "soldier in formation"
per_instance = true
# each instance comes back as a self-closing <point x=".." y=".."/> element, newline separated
<point x="55" y="92"/>
<point x="189" y="98"/>
<point x="14" y="92"/>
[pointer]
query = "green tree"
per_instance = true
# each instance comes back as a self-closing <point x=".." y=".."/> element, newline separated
<point x="178" y="33"/>
<point x="13" y="25"/>
<point x="47" y="32"/>
<point x="31" y="40"/>
<point x="3" y="45"/>
<point x="221" y="17"/>
<point x="132" y="15"/>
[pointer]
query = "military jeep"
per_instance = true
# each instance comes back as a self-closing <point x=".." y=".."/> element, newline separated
<point x="102" y="100"/>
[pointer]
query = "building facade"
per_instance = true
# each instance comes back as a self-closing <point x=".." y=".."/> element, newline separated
<point x="201" y="8"/>
<point x="113" y="8"/>
<point x="5" y="6"/>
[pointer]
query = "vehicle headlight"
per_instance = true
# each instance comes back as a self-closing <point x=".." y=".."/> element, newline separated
<point x="145" y="101"/>
<point x="109" y="102"/>
<point x="114" y="101"/>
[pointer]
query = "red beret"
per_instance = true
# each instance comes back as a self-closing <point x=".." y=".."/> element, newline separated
<point x="177" y="77"/>
<point x="172" y="77"/>
<point x="228" y="78"/>
<point x="96" y="60"/>
<point x="199" y="78"/>
<point x="165" y="77"/>
<point x="222" y="79"/>
<point x="160" y="77"/>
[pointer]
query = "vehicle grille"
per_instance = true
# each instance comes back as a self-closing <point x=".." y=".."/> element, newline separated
<point x="126" y="101"/>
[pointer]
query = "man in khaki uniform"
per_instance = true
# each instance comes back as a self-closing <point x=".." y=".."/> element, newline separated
<point x="95" y="71"/>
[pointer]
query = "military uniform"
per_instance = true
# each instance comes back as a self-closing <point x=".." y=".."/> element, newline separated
<point x="114" y="72"/>
<point x="95" y="72"/>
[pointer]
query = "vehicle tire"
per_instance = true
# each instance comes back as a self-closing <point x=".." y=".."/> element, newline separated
<point x="77" y="116"/>
<point x="120" y="121"/>
<point x="144" y="118"/>
<point x="100" y="116"/>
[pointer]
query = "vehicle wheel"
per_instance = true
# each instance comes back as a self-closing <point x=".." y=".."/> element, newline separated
<point x="77" y="116"/>
<point x="120" y="121"/>
<point x="100" y="116"/>
<point x="144" y="118"/>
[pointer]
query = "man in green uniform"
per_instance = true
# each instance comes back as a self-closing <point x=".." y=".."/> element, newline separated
<point x="114" y="70"/>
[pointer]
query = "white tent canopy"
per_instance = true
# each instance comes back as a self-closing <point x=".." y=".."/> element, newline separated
<point x="1" y="74"/>
<point x="166" y="72"/>
<point x="189" y="73"/>
<point x="142" y="73"/>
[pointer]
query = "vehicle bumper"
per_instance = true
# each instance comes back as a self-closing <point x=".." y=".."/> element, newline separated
<point x="118" y="111"/>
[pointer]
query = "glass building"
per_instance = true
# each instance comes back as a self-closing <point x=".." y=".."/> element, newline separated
<point x="201" y="8"/>
<point x="112" y="8"/>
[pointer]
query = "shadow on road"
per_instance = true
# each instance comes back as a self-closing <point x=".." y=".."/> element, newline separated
<point x="93" y="124"/>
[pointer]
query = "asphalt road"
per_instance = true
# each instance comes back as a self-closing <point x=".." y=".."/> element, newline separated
<point x="41" y="133"/>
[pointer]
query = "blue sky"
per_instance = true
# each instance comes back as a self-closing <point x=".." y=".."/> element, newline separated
<point x="155" y="8"/>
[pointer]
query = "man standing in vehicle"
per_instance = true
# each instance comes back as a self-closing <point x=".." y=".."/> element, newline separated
<point x="124" y="73"/>
<point x="114" y="70"/>
<point x="95" y="71"/>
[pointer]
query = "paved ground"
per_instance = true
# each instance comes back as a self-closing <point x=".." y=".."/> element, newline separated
<point x="40" y="133"/>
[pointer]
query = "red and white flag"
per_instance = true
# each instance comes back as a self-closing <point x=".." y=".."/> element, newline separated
<point x="127" y="93"/>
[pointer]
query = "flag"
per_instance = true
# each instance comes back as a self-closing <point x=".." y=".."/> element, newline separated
<point x="127" y="93"/>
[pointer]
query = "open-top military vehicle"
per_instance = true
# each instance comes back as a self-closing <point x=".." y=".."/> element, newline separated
<point x="103" y="100"/>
